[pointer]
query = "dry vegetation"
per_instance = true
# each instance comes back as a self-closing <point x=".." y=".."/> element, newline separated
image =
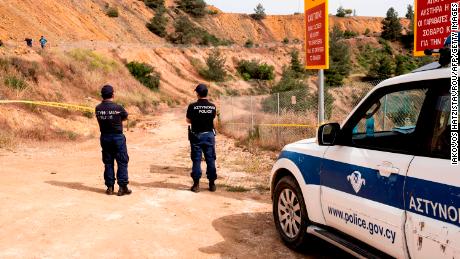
<point x="70" y="77"/>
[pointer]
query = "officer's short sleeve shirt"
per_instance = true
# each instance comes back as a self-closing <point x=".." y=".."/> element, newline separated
<point x="202" y="114"/>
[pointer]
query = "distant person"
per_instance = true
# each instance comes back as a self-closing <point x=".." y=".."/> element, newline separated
<point x="201" y="115"/>
<point x="110" y="117"/>
<point x="29" y="42"/>
<point x="43" y="42"/>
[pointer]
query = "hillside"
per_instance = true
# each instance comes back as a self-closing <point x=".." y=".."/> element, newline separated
<point x="67" y="21"/>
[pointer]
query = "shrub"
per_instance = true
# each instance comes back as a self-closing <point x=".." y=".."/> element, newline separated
<point x="112" y="12"/>
<point x="367" y="32"/>
<point x="286" y="41"/>
<point x="145" y="74"/>
<point x="349" y="34"/>
<point x="154" y="4"/>
<point x="158" y="23"/>
<point x="255" y="70"/>
<point x="249" y="44"/>
<point x="215" y="70"/>
<point x="290" y="80"/>
<point x="188" y="33"/>
<point x="15" y="82"/>
<point x="382" y="67"/>
<point x="259" y="13"/>
<point x="196" y="8"/>
<point x="296" y="65"/>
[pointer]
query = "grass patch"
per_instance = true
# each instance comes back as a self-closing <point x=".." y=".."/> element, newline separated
<point x="67" y="134"/>
<point x="262" y="188"/>
<point x="15" y="82"/>
<point x="232" y="188"/>
<point x="94" y="60"/>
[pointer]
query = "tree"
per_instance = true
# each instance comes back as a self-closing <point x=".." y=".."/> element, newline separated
<point x="196" y="8"/>
<point x="391" y="26"/>
<point x="158" y="23"/>
<point x="410" y="12"/>
<point x="296" y="65"/>
<point x="339" y="59"/>
<point x="259" y="13"/>
<point x="341" y="12"/>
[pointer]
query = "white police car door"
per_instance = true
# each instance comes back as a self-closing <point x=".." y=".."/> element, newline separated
<point x="432" y="190"/>
<point x="362" y="179"/>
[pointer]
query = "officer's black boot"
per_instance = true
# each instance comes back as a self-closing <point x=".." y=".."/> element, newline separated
<point x="124" y="190"/>
<point x="212" y="186"/>
<point x="196" y="186"/>
<point x="109" y="190"/>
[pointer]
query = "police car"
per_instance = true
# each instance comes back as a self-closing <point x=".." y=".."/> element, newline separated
<point x="381" y="183"/>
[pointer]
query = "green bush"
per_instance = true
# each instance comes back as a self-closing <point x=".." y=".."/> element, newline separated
<point x="255" y="70"/>
<point x="286" y="41"/>
<point x="158" y="23"/>
<point x="196" y="8"/>
<point x="154" y="4"/>
<point x="145" y="74"/>
<point x="112" y="12"/>
<point x="296" y="65"/>
<point x="15" y="82"/>
<point x="349" y="34"/>
<point x="367" y="32"/>
<point x="290" y="80"/>
<point x="382" y="67"/>
<point x="215" y="70"/>
<point x="249" y="44"/>
<point x="188" y="33"/>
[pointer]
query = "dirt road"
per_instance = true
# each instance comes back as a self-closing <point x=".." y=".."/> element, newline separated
<point x="53" y="203"/>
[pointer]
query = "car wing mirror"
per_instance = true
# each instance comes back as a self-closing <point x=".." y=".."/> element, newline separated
<point x="327" y="134"/>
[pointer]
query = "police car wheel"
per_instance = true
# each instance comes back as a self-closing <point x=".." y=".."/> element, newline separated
<point x="289" y="213"/>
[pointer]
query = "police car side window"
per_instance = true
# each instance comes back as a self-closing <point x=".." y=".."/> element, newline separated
<point x="389" y="124"/>
<point x="440" y="139"/>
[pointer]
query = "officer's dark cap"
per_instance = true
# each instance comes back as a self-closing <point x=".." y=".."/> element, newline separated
<point x="107" y="92"/>
<point x="202" y="90"/>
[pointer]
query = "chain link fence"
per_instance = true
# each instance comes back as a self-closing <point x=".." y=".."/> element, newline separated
<point x="274" y="120"/>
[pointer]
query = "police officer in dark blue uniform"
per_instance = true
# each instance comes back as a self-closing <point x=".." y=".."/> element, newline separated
<point x="201" y="115"/>
<point x="110" y="117"/>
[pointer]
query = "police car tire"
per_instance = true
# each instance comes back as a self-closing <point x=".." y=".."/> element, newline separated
<point x="297" y="242"/>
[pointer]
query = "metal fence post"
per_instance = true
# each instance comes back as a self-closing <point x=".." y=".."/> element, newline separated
<point x="232" y="118"/>
<point x="278" y="119"/>
<point x="252" y="114"/>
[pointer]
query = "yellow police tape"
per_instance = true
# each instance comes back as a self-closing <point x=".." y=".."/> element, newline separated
<point x="51" y="104"/>
<point x="276" y="125"/>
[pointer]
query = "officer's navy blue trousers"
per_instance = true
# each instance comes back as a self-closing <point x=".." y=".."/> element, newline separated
<point x="114" y="148"/>
<point x="204" y="143"/>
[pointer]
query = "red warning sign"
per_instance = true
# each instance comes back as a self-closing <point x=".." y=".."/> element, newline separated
<point x="432" y="24"/>
<point x="316" y="38"/>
